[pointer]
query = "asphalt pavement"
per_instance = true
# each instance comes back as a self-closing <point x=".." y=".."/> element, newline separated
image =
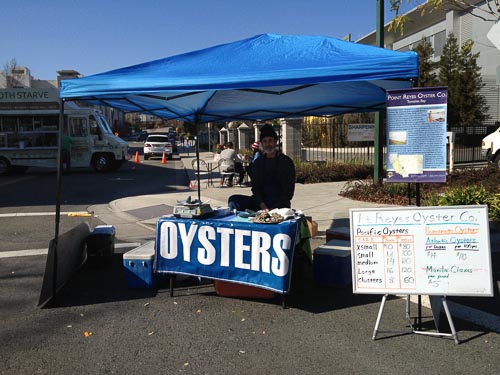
<point x="100" y="326"/>
<point x="135" y="220"/>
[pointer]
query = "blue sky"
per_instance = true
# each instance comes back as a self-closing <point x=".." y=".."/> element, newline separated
<point x="94" y="36"/>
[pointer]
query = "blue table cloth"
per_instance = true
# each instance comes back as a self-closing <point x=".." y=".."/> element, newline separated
<point x="228" y="248"/>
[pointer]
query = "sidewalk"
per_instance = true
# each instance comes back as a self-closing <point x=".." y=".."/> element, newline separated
<point x="135" y="220"/>
<point x="321" y="201"/>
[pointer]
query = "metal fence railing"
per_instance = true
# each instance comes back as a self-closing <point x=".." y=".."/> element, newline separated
<point x="328" y="142"/>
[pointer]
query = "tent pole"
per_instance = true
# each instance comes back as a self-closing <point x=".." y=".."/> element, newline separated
<point x="378" y="149"/>
<point x="197" y="148"/>
<point x="58" y="196"/>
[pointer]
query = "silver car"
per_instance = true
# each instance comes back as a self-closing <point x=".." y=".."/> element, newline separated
<point x="156" y="145"/>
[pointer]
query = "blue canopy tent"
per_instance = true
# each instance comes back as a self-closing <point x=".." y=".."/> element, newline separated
<point x="264" y="77"/>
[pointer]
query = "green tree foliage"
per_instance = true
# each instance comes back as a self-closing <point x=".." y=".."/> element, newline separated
<point x="427" y="76"/>
<point x="449" y="75"/>
<point x="472" y="104"/>
<point x="459" y="71"/>
<point x="489" y="13"/>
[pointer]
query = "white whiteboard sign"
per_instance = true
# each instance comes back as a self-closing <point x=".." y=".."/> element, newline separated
<point x="421" y="250"/>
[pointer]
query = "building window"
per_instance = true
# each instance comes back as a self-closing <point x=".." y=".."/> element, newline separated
<point x="439" y="41"/>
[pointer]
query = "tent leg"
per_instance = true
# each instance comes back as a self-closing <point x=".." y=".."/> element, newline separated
<point x="58" y="197"/>
<point x="197" y="149"/>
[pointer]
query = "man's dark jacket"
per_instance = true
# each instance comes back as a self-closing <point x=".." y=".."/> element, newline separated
<point x="273" y="181"/>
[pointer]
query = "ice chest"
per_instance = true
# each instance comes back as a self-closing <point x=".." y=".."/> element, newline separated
<point x="227" y="289"/>
<point x="138" y="267"/>
<point x="339" y="233"/>
<point x="101" y="241"/>
<point x="332" y="264"/>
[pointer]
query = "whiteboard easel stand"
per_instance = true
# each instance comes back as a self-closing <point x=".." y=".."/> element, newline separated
<point x="450" y="322"/>
<point x="453" y="333"/>
<point x="419" y="297"/>
<point x="379" y="318"/>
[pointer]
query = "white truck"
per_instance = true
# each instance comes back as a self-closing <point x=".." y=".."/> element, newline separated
<point x="490" y="148"/>
<point x="29" y="123"/>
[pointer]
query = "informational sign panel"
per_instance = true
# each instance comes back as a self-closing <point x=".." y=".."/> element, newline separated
<point x="416" y="135"/>
<point x="422" y="250"/>
<point x="232" y="250"/>
<point x="361" y="132"/>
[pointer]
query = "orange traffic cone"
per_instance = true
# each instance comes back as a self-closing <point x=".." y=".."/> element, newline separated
<point x="136" y="160"/>
<point x="163" y="159"/>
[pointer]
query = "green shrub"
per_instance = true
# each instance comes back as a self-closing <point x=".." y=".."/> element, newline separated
<point x="494" y="207"/>
<point x="328" y="171"/>
<point x="396" y="189"/>
<point x="431" y="199"/>
<point x="465" y="195"/>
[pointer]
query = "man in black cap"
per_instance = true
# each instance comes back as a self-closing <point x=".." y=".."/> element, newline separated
<point x="273" y="178"/>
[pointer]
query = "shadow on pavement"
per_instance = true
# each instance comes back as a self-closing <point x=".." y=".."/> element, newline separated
<point x="99" y="283"/>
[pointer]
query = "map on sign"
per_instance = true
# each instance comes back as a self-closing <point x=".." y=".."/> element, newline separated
<point x="421" y="250"/>
<point x="407" y="164"/>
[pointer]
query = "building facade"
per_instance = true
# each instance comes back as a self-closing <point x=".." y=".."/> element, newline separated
<point x="464" y="24"/>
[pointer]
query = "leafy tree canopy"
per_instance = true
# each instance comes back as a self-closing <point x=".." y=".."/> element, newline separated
<point x="490" y="13"/>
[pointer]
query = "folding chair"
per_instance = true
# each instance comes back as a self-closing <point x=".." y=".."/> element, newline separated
<point x="202" y="169"/>
<point x="226" y="169"/>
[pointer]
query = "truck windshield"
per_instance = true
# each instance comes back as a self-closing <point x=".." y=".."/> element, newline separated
<point x="104" y="125"/>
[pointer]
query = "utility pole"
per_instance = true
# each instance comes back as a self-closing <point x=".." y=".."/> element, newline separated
<point x="379" y="116"/>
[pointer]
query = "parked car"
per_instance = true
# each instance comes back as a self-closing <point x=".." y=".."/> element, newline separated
<point x="156" y="145"/>
<point x="138" y="136"/>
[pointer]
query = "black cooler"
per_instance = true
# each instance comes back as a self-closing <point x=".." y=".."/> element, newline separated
<point x="101" y="243"/>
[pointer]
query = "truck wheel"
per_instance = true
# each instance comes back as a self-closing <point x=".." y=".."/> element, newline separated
<point x="4" y="166"/>
<point x="146" y="157"/>
<point x="102" y="163"/>
<point x="496" y="162"/>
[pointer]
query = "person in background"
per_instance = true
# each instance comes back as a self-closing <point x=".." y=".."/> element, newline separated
<point x="66" y="151"/>
<point x="256" y="150"/>
<point x="218" y="150"/>
<point x="230" y="154"/>
<point x="273" y="178"/>
<point x="256" y="153"/>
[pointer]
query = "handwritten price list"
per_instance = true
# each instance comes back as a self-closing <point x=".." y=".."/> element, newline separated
<point x="431" y="250"/>
<point x="385" y="261"/>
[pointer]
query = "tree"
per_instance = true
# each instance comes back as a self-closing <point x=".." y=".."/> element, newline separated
<point x="9" y="71"/>
<point x="459" y="71"/>
<point x="449" y="75"/>
<point x="492" y="13"/>
<point x="472" y="104"/>
<point x="426" y="67"/>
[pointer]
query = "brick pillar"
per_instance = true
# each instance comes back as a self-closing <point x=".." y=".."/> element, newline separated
<point x="244" y="136"/>
<point x="256" y="133"/>
<point x="223" y="138"/>
<point x="291" y="135"/>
